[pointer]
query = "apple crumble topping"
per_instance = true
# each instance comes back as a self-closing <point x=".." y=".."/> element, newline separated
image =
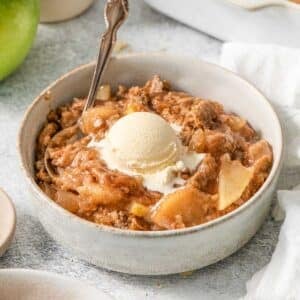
<point x="236" y="162"/>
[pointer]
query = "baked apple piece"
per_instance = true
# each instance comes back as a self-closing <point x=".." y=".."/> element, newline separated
<point x="259" y="150"/>
<point x="233" y="180"/>
<point x="104" y="92"/>
<point x="68" y="200"/>
<point x="139" y="210"/>
<point x="100" y="195"/>
<point x="95" y="117"/>
<point x="182" y="208"/>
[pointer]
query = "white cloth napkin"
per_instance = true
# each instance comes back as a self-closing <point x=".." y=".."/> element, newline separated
<point x="275" y="71"/>
<point x="280" y="279"/>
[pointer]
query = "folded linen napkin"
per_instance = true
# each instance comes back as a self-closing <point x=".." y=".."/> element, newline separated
<point x="280" y="279"/>
<point x="275" y="71"/>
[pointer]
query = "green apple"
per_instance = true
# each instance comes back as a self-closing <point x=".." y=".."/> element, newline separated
<point x="18" y="24"/>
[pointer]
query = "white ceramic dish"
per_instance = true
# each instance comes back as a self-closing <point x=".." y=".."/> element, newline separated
<point x="258" y="4"/>
<point x="7" y="222"/>
<point x="57" y="10"/>
<point x="165" y="252"/>
<point x="21" y="284"/>
<point x="229" y="22"/>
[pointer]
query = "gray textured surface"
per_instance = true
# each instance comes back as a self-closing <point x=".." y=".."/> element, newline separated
<point x="59" y="48"/>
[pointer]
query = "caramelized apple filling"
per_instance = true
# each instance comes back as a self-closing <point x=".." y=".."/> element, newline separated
<point x="233" y="165"/>
<point x="233" y="180"/>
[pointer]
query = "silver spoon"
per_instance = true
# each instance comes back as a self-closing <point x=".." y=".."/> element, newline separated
<point x="115" y="13"/>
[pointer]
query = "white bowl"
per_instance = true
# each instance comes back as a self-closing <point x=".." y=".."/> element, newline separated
<point x="21" y="284"/>
<point x="61" y="10"/>
<point x="7" y="221"/>
<point x="229" y="22"/>
<point x="164" y="252"/>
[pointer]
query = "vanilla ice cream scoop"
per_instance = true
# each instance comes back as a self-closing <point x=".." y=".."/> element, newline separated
<point x="143" y="142"/>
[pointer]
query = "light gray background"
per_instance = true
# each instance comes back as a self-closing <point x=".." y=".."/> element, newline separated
<point x="59" y="48"/>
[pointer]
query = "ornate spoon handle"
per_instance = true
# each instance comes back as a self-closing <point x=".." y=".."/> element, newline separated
<point x="116" y="12"/>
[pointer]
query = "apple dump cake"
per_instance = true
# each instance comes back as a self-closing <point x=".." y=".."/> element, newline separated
<point x="151" y="158"/>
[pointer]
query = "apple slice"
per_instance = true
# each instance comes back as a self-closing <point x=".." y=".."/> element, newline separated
<point x="186" y="206"/>
<point x="100" y="195"/>
<point x="139" y="210"/>
<point x="233" y="180"/>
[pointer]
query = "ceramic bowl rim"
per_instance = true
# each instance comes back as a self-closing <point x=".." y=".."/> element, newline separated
<point x="6" y="240"/>
<point x="288" y="4"/>
<point x="151" y="234"/>
<point x="41" y="272"/>
<point x="52" y="275"/>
